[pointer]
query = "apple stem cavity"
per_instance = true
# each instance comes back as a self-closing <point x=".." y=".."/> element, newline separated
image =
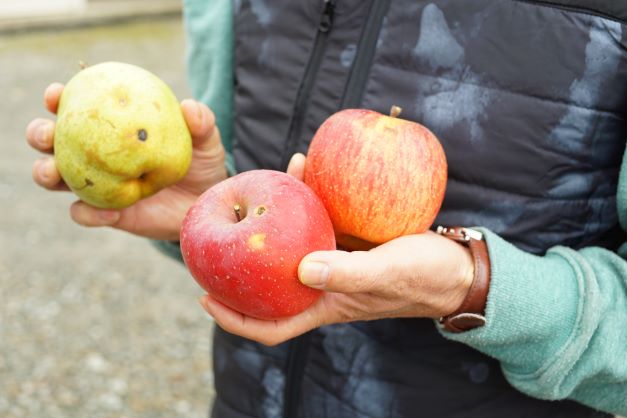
<point x="237" y="208"/>
<point x="395" y="111"/>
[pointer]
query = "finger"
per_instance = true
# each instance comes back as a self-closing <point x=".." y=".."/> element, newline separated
<point x="340" y="271"/>
<point x="266" y="332"/>
<point x="201" y="123"/>
<point x="40" y="135"/>
<point x="46" y="175"/>
<point x="52" y="96"/>
<point x="86" y="215"/>
<point x="142" y="218"/>
<point x="296" y="167"/>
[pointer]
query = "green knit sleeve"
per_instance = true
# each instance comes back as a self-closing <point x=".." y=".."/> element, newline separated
<point x="558" y="323"/>
<point x="209" y="28"/>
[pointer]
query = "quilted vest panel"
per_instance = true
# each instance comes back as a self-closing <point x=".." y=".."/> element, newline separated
<point x="528" y="100"/>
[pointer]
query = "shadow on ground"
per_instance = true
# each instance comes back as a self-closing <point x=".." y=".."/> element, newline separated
<point x="93" y="322"/>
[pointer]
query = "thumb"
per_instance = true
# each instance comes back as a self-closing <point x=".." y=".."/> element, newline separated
<point x="341" y="271"/>
<point x="296" y="167"/>
<point x="201" y="123"/>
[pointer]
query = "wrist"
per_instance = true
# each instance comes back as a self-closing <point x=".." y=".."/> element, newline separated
<point x="471" y="313"/>
<point x="464" y="277"/>
<point x="453" y="276"/>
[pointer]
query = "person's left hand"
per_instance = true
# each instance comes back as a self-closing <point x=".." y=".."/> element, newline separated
<point x="424" y="275"/>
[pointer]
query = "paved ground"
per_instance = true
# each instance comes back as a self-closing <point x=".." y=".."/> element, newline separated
<point x="96" y="12"/>
<point x="93" y="323"/>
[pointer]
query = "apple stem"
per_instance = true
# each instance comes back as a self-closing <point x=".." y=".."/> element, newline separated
<point x="236" y="209"/>
<point x="395" y="111"/>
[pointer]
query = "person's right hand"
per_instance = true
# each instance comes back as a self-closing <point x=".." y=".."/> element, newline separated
<point x="158" y="216"/>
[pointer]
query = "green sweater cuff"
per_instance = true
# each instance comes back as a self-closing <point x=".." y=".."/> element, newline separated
<point x="230" y="164"/>
<point x="170" y="248"/>
<point x="532" y="308"/>
<point x="173" y="248"/>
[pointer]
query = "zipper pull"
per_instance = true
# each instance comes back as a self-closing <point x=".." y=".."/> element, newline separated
<point x="326" y="21"/>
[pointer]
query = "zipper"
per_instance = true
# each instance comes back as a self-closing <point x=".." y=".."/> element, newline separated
<point x="302" y="98"/>
<point x="298" y="352"/>
<point x="362" y="63"/>
<point x="298" y="349"/>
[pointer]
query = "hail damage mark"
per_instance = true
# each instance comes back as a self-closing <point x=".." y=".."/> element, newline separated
<point x="260" y="210"/>
<point x="88" y="183"/>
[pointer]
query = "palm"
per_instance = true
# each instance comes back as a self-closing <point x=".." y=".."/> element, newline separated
<point x="160" y="215"/>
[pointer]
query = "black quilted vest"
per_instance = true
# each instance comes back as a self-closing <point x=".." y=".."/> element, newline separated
<point x="528" y="100"/>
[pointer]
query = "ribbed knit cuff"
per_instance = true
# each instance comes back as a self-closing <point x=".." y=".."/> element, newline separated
<point x="230" y="165"/>
<point x="531" y="310"/>
<point x="173" y="248"/>
<point x="170" y="248"/>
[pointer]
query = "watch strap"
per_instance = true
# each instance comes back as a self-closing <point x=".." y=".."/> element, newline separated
<point x="471" y="312"/>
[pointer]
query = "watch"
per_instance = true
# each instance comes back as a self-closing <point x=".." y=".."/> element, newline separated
<point x="471" y="313"/>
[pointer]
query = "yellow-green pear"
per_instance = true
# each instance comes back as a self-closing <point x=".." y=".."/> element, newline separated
<point x="120" y="135"/>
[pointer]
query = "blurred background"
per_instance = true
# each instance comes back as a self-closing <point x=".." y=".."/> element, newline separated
<point x="93" y="322"/>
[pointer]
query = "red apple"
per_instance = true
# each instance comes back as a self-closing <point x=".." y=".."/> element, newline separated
<point x="243" y="240"/>
<point x="378" y="176"/>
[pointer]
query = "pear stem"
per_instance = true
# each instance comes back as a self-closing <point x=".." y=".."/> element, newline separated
<point x="395" y="111"/>
<point x="236" y="209"/>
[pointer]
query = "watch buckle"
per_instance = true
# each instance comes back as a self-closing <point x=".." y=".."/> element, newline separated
<point x="460" y="234"/>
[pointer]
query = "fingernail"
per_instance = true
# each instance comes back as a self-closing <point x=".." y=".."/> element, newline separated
<point x="200" y="114"/>
<point x="109" y="216"/>
<point x="203" y="302"/>
<point x="314" y="274"/>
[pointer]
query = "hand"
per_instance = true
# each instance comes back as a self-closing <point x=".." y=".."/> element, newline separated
<point x="425" y="276"/>
<point x="158" y="216"/>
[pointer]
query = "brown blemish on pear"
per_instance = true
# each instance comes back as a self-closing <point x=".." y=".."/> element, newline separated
<point x="121" y="96"/>
<point x="142" y="135"/>
<point x="88" y="183"/>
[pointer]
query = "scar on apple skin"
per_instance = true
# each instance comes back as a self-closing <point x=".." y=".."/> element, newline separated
<point x="257" y="241"/>
<point x="88" y="183"/>
<point x="260" y="210"/>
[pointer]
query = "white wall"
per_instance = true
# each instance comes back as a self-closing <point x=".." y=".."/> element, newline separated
<point x="21" y="8"/>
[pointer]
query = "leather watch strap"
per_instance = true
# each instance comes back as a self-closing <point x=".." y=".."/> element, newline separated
<point x="471" y="312"/>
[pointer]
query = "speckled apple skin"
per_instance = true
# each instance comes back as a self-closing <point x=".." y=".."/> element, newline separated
<point x="379" y="177"/>
<point x="252" y="265"/>
<point x="120" y="135"/>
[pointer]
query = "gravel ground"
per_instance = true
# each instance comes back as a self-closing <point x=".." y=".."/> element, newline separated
<point x="93" y="322"/>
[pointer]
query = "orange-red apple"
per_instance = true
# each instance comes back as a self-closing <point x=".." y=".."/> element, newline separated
<point x="243" y="240"/>
<point x="378" y="176"/>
